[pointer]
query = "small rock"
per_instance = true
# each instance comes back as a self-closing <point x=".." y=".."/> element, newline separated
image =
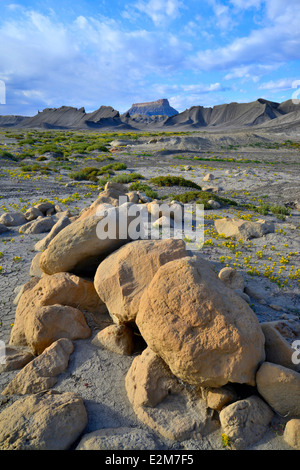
<point x="208" y="177"/>
<point x="133" y="197"/>
<point x="232" y="278"/>
<point x="278" y="308"/>
<point x="245" y="421"/>
<point x="217" y="398"/>
<point x="15" y="358"/>
<point x="33" y="213"/>
<point x="292" y="433"/>
<point x="3" y="228"/>
<point x="163" y="222"/>
<point x="39" y="225"/>
<point x="116" y="338"/>
<point x="214" y="204"/>
<point x="278" y="350"/>
<point x="44" y="207"/>
<point x="245" y="229"/>
<point x="41" y="373"/>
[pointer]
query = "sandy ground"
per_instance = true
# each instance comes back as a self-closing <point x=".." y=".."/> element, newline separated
<point x="98" y="375"/>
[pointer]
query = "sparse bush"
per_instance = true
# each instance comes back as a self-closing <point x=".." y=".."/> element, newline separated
<point x="174" y="181"/>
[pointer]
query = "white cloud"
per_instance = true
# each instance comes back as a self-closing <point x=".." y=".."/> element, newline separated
<point x="278" y="85"/>
<point x="246" y="4"/>
<point x="160" y="11"/>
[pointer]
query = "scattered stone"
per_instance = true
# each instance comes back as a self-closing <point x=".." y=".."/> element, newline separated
<point x="118" y="439"/>
<point x="278" y="350"/>
<point x="214" y="204"/>
<point x="41" y="373"/>
<point x="292" y="433"/>
<point x="163" y="222"/>
<point x="43" y="421"/>
<point x="12" y="219"/>
<point x="205" y="333"/>
<point x="280" y="387"/>
<point x="44" y="207"/>
<point x="123" y="276"/>
<point x="33" y="213"/>
<point x="42" y="245"/>
<point x="48" y="324"/>
<point x="278" y="308"/>
<point x="111" y="196"/>
<point x="79" y="247"/>
<point x="116" y="338"/>
<point x="245" y="229"/>
<point x="232" y="278"/>
<point x="133" y="197"/>
<point x="143" y="198"/>
<point x="208" y="177"/>
<point x="39" y="225"/>
<point x="15" y="358"/>
<point x="251" y="292"/>
<point x="245" y="421"/>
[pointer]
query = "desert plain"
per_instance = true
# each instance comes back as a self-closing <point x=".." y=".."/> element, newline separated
<point x="254" y="173"/>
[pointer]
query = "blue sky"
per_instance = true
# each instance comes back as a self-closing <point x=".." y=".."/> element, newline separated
<point x="111" y="52"/>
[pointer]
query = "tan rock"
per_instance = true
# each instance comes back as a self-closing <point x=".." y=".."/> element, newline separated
<point x="116" y="338"/>
<point x="44" y="207"/>
<point x="12" y="219"/>
<point x="15" y="358"/>
<point x="22" y="288"/>
<point x="39" y="225"/>
<point x="244" y="229"/>
<point x="41" y="373"/>
<point x="33" y="213"/>
<point x="78" y="246"/>
<point x="133" y="197"/>
<point x="62" y="289"/>
<point x="48" y="324"/>
<point x="60" y="224"/>
<point x="123" y="276"/>
<point x="232" y="278"/>
<point x="110" y="196"/>
<point x="125" y="438"/>
<point x="245" y="421"/>
<point x="43" y="421"/>
<point x="163" y="222"/>
<point x="278" y="350"/>
<point x="35" y="270"/>
<point x="205" y="333"/>
<point x="208" y="177"/>
<point x="149" y="380"/>
<point x="292" y="433"/>
<point x="217" y="398"/>
<point x="280" y="387"/>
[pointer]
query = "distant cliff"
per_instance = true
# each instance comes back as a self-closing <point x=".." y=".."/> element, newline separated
<point x="153" y="108"/>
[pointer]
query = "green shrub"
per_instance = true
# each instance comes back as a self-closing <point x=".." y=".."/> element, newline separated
<point x="174" y="181"/>
<point x="147" y="190"/>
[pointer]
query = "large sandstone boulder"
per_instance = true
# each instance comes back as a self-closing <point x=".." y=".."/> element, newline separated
<point x="79" y="246"/>
<point x="41" y="373"/>
<point x="244" y="229"/>
<point x="280" y="387"/>
<point x="62" y="289"/>
<point x="43" y="421"/>
<point x="60" y="224"/>
<point x="123" y="276"/>
<point x="245" y="421"/>
<point x="205" y="333"/>
<point x="48" y="324"/>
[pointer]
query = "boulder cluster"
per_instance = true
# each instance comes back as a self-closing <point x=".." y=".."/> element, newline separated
<point x="202" y="343"/>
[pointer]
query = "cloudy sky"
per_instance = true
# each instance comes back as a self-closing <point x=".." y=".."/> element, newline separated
<point x="110" y="52"/>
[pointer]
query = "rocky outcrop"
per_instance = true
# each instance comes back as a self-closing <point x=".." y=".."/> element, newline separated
<point x="153" y="108"/>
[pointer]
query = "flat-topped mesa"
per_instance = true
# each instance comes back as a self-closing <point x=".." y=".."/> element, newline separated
<point x="153" y="108"/>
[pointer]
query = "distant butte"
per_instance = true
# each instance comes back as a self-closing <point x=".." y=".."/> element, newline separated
<point x="153" y="108"/>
